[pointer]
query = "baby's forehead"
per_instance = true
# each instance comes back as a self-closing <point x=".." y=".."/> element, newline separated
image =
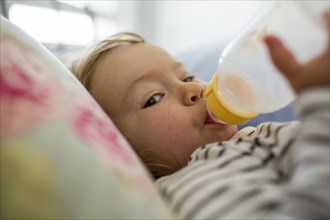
<point x="131" y="62"/>
<point x="140" y="55"/>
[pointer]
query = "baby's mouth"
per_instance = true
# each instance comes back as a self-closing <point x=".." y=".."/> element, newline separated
<point x="210" y="120"/>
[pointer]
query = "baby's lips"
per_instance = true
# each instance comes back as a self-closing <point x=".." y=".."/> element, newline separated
<point x="210" y="120"/>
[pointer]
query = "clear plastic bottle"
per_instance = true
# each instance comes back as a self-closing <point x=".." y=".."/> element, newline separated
<point x="247" y="83"/>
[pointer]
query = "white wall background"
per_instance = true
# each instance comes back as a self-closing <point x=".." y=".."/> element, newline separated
<point x="175" y="25"/>
<point x="179" y="26"/>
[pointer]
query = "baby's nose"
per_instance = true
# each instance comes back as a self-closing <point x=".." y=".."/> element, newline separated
<point x="193" y="94"/>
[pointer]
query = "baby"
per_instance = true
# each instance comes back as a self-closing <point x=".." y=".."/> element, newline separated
<point x="154" y="101"/>
<point x="208" y="170"/>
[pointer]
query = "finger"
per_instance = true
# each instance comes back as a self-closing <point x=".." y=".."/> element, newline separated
<point x="281" y="56"/>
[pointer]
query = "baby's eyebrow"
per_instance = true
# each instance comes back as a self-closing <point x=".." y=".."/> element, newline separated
<point x="179" y="65"/>
<point x="181" y="68"/>
<point x="136" y="82"/>
<point x="146" y="76"/>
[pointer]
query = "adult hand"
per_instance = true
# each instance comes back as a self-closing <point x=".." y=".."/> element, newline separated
<point x="301" y="75"/>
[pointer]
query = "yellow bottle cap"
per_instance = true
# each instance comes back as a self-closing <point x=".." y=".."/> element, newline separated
<point x="222" y="110"/>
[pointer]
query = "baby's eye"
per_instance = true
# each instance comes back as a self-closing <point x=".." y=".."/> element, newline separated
<point x="189" y="79"/>
<point x="153" y="100"/>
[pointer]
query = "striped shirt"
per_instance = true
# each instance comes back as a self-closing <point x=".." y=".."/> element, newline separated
<point x="273" y="171"/>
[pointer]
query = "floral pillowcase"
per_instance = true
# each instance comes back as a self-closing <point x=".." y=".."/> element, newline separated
<point x="61" y="156"/>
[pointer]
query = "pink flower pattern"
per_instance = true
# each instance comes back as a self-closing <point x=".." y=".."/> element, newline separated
<point x="94" y="126"/>
<point x="32" y="95"/>
<point x="27" y="91"/>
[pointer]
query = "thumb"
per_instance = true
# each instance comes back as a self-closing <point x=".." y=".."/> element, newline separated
<point x="282" y="57"/>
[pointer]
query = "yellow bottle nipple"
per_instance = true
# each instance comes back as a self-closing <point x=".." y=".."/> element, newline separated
<point x="221" y="109"/>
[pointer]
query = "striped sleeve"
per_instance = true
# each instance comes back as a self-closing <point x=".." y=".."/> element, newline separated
<point x="307" y="193"/>
<point x="222" y="175"/>
<point x="266" y="173"/>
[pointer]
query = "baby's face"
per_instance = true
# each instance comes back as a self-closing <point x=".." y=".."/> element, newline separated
<point x="156" y="103"/>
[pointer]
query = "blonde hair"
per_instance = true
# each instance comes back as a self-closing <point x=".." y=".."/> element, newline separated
<point x="84" y="69"/>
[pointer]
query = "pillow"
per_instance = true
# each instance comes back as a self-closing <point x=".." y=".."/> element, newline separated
<point x="202" y="62"/>
<point x="61" y="156"/>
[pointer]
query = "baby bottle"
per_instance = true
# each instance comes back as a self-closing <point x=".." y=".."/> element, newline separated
<point x="247" y="83"/>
